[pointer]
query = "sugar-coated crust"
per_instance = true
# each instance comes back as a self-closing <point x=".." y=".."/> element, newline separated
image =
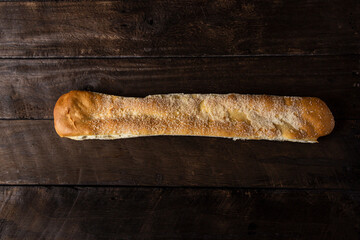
<point x="87" y="115"/>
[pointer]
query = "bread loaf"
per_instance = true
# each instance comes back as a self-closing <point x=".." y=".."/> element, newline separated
<point x="83" y="115"/>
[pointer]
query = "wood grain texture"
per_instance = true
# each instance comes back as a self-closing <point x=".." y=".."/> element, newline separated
<point x="177" y="213"/>
<point x="137" y="48"/>
<point x="32" y="153"/>
<point x="178" y="28"/>
<point x="30" y="88"/>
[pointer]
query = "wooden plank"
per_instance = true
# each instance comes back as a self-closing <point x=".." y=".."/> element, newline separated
<point x="177" y="213"/>
<point x="178" y="28"/>
<point x="30" y="88"/>
<point x="32" y="153"/>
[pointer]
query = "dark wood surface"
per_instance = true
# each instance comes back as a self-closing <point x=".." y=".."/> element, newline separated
<point x="30" y="88"/>
<point x="178" y="28"/>
<point x="32" y="153"/>
<point x="177" y="187"/>
<point x="178" y="213"/>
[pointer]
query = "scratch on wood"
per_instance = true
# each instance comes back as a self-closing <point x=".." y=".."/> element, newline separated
<point x="80" y="176"/>
<point x="68" y="215"/>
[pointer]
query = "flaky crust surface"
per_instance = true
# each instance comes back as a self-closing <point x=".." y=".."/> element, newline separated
<point x="87" y="115"/>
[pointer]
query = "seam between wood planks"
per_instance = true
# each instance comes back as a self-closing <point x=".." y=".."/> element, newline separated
<point x="173" y="56"/>
<point x="181" y="187"/>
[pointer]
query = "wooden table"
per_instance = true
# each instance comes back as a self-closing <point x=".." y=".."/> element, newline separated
<point x="177" y="187"/>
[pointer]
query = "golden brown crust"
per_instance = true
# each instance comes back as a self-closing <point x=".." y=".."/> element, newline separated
<point x="84" y="115"/>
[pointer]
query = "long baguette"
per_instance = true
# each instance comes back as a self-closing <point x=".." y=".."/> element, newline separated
<point x="83" y="115"/>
